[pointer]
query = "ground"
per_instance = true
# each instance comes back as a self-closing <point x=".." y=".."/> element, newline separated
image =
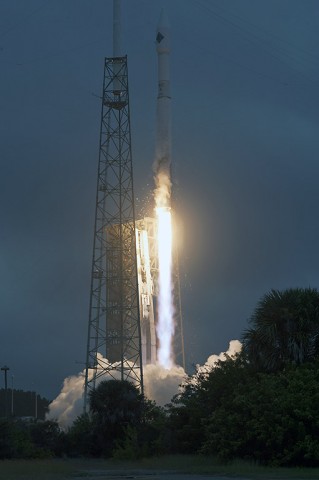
<point x="167" y="468"/>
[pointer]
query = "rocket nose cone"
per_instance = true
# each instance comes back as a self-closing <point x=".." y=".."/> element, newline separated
<point x="163" y="34"/>
<point x="163" y="21"/>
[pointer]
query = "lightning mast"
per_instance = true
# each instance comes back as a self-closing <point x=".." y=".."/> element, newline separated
<point x="114" y="335"/>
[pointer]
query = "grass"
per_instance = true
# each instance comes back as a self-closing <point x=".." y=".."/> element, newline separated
<point x="209" y="465"/>
<point x="66" y="469"/>
<point x="35" y="469"/>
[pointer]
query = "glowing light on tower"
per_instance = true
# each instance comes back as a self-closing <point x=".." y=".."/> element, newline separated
<point x="165" y="322"/>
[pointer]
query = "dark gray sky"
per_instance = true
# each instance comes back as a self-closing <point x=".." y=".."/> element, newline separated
<point x="245" y="77"/>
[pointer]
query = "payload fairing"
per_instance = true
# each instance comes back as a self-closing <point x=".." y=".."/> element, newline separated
<point x="163" y="140"/>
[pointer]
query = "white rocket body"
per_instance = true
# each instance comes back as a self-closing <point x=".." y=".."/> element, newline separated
<point x="163" y="140"/>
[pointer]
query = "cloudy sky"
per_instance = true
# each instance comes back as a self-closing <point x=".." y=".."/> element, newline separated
<point x="245" y="78"/>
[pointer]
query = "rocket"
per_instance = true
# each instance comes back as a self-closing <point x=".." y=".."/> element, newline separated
<point x="163" y="114"/>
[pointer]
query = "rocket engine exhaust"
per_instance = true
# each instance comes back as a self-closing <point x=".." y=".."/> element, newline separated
<point x="165" y="324"/>
<point x="162" y="194"/>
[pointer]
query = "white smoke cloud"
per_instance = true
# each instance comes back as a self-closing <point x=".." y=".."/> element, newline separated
<point x="162" y="192"/>
<point x="160" y="384"/>
<point x="68" y="405"/>
<point x="234" y="347"/>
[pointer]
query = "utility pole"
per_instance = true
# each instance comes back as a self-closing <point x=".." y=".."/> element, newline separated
<point x="36" y="406"/>
<point x="12" y="410"/>
<point x="5" y="369"/>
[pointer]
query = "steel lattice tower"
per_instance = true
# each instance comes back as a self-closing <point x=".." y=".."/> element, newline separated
<point x="114" y="321"/>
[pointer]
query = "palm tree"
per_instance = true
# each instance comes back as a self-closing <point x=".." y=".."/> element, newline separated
<point x="116" y="406"/>
<point x="117" y="402"/>
<point x="284" y="329"/>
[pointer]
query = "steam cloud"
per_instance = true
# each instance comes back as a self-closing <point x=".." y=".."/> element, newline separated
<point x="234" y="347"/>
<point x="160" y="385"/>
<point x="68" y="405"/>
<point x="162" y="192"/>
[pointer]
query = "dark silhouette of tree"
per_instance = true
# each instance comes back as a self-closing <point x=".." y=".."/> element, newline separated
<point x="30" y="439"/>
<point x="79" y="439"/>
<point x="46" y="437"/>
<point x="284" y="329"/>
<point x="190" y="410"/>
<point x="270" y="418"/>
<point x="115" y="405"/>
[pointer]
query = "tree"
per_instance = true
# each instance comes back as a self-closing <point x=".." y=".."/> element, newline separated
<point x="284" y="329"/>
<point x="79" y="439"/>
<point x="115" y="406"/>
<point x="117" y="403"/>
<point x="25" y="439"/>
<point x="262" y="403"/>
<point x="234" y="412"/>
<point x="271" y="418"/>
<point x="46" y="437"/>
<point x="191" y="409"/>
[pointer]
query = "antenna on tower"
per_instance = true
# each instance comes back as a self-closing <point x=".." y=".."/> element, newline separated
<point x="117" y="30"/>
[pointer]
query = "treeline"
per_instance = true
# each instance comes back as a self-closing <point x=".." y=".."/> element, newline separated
<point x="29" y="439"/>
<point x="18" y="403"/>
<point x="260" y="405"/>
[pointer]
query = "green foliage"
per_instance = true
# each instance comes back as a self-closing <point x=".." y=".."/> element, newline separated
<point x="259" y="406"/>
<point x="272" y="419"/>
<point x="6" y="439"/>
<point x="190" y="410"/>
<point x="114" y="405"/>
<point x="284" y="329"/>
<point x="117" y="403"/>
<point x="79" y="440"/>
<point x="234" y="412"/>
<point x="46" y="437"/>
<point x="20" y="439"/>
<point x="128" y="447"/>
<point x="15" y="440"/>
<point x="21" y="444"/>
<point x="122" y="421"/>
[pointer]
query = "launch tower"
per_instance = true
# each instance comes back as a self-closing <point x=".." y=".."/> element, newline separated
<point x="114" y="335"/>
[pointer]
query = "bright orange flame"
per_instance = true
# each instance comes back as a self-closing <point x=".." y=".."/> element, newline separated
<point x="165" y="322"/>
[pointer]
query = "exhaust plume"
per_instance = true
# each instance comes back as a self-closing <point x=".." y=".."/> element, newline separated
<point x="160" y="385"/>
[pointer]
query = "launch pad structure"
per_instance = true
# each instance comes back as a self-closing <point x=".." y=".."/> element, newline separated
<point x="122" y="334"/>
<point x="114" y="335"/>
